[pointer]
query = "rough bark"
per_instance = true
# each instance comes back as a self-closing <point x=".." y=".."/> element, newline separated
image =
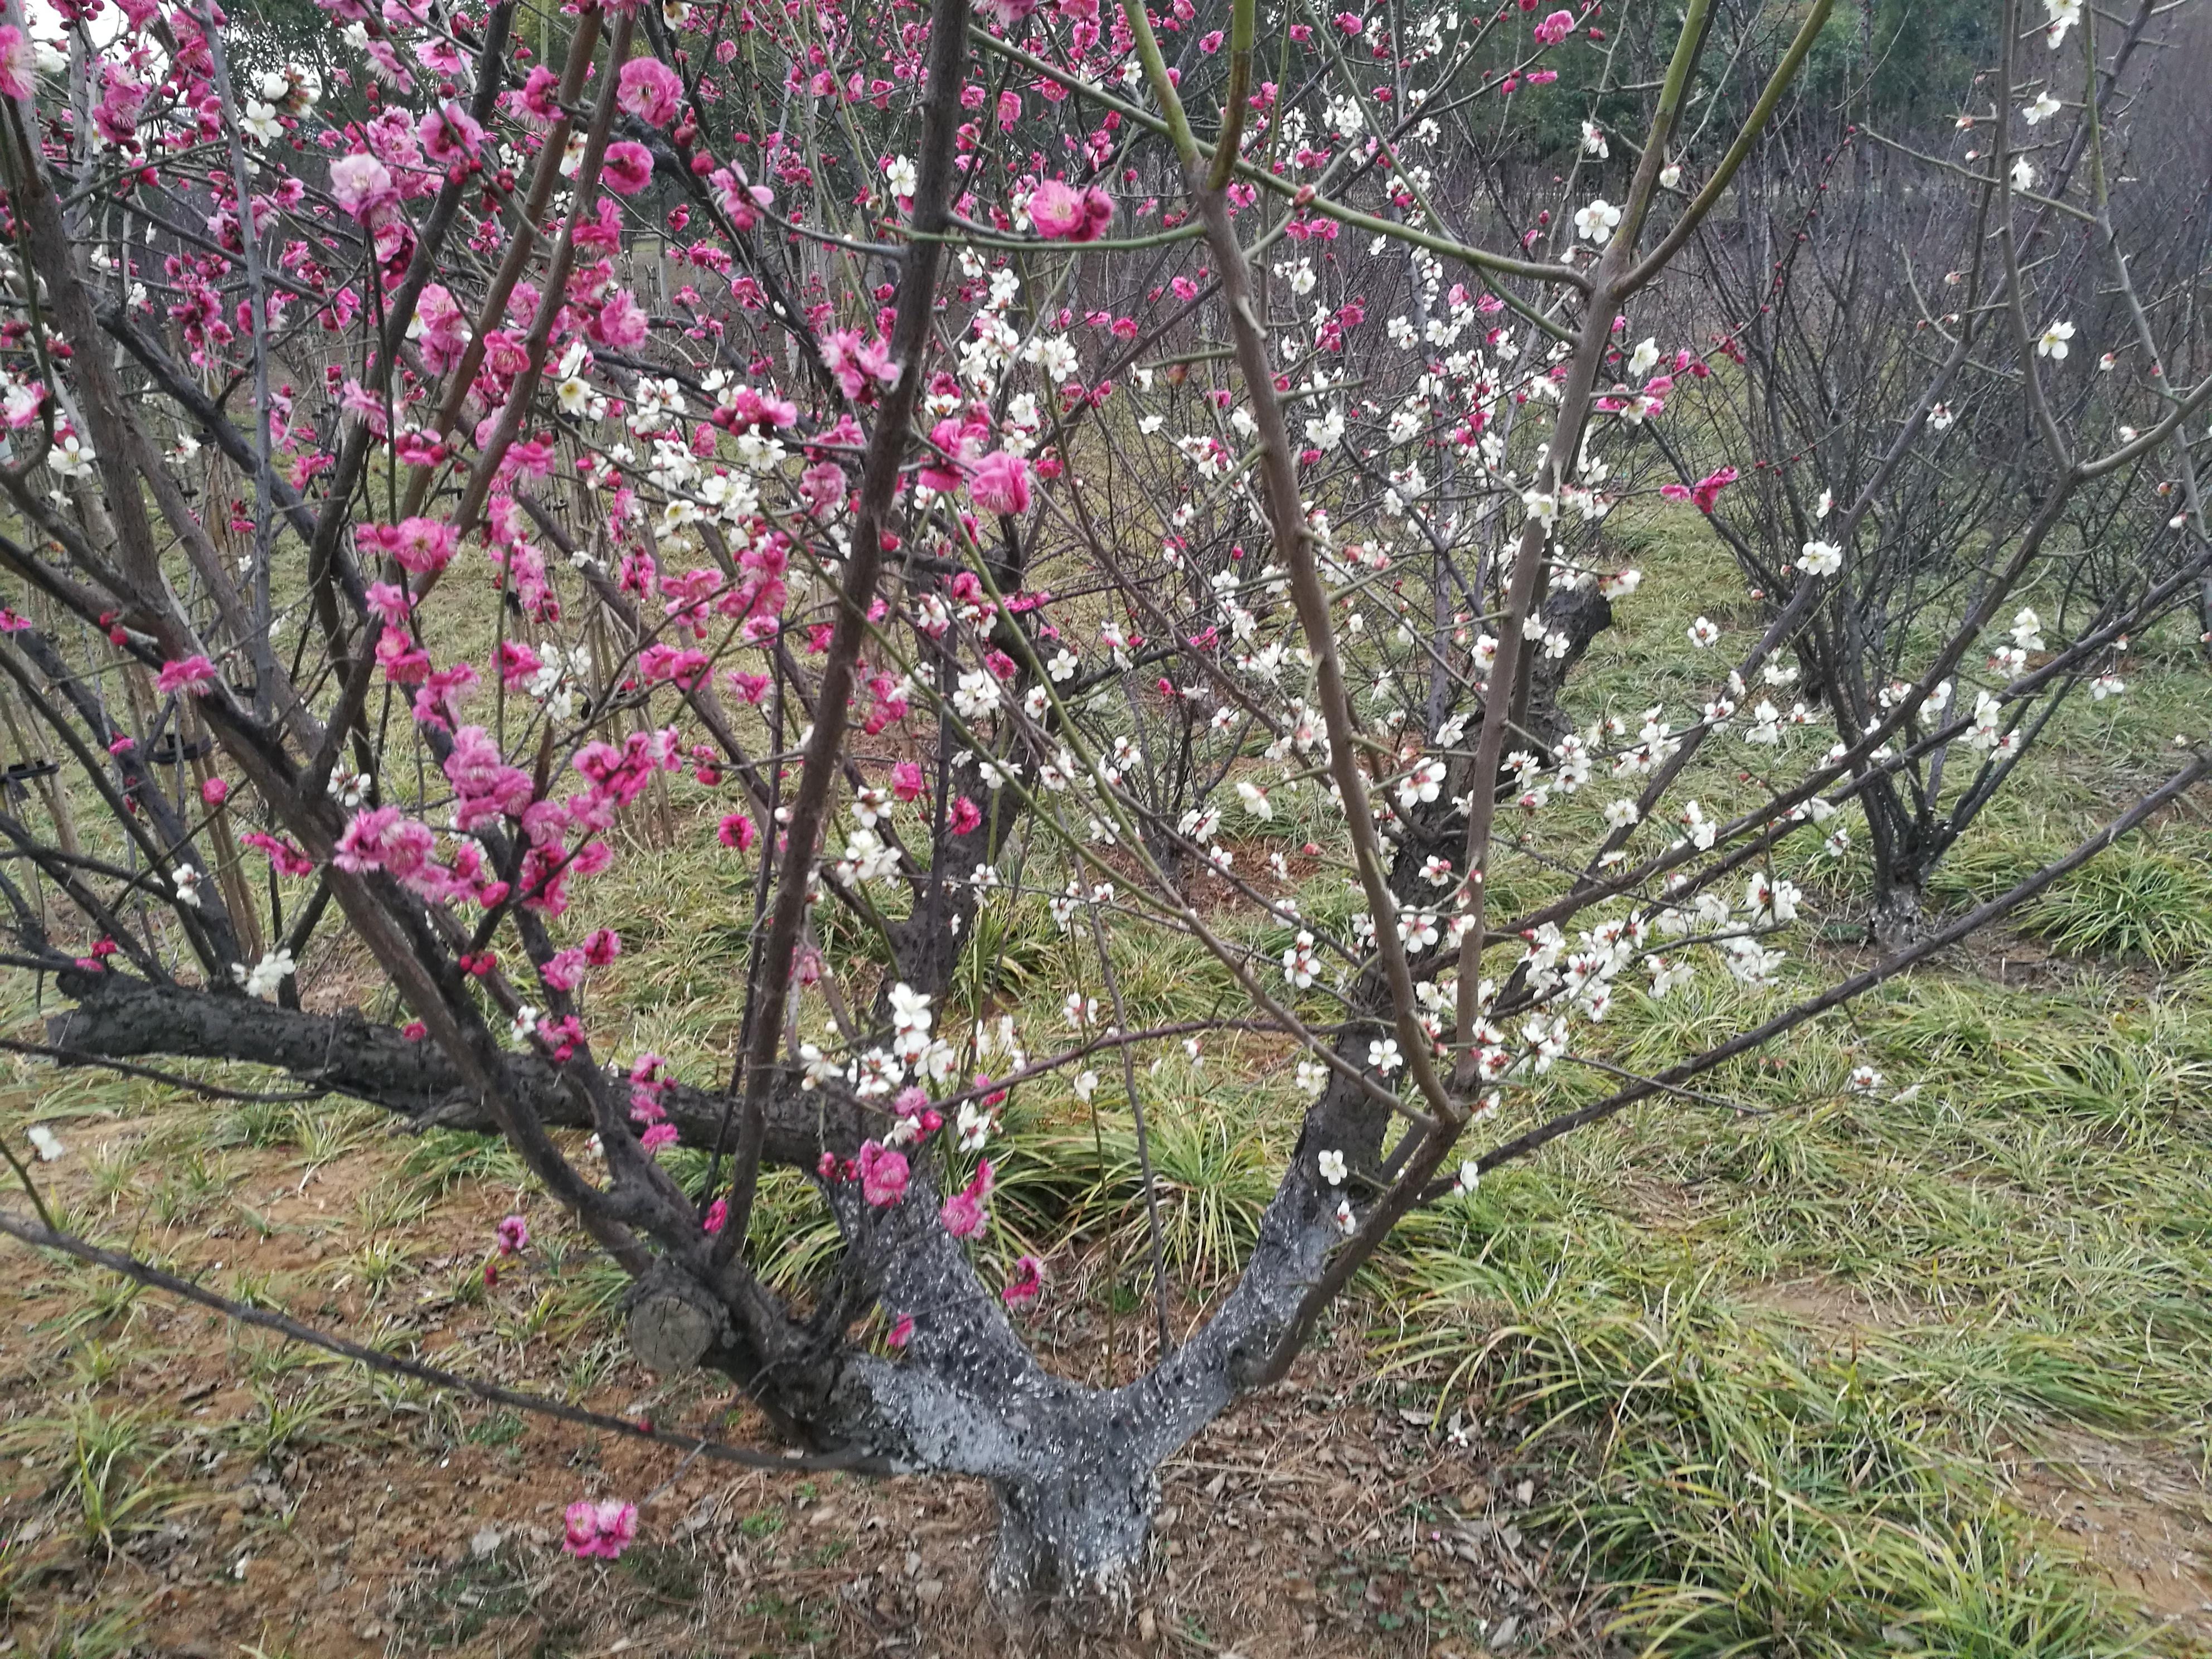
<point x="1896" y="921"/>
<point x="1581" y="614"/>
<point x="119" y="1018"/>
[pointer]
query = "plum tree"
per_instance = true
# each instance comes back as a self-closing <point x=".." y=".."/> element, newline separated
<point x="949" y="462"/>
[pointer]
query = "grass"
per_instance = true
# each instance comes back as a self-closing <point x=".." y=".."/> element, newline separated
<point x="106" y="1469"/>
<point x="1213" y="1169"/>
<point x="2147" y="901"/>
<point x="2015" y="1252"/>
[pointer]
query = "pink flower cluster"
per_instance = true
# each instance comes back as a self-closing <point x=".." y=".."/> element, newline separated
<point x="859" y="364"/>
<point x="999" y="483"/>
<point x="649" y="1080"/>
<point x="740" y="201"/>
<point x="564" y="970"/>
<point x="1027" y="1282"/>
<point x="696" y="596"/>
<point x="882" y="1173"/>
<point x="961" y="440"/>
<point x="424" y="546"/>
<point x="194" y="676"/>
<point x="485" y="788"/>
<point x="627" y="167"/>
<point x="963" y="1214"/>
<point x="603" y="1529"/>
<point x="384" y="839"/>
<point x="18" y="63"/>
<point x="289" y="859"/>
<point x="1061" y="213"/>
<point x="1705" y="492"/>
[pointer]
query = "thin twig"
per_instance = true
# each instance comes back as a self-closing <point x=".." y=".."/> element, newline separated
<point x="49" y="1237"/>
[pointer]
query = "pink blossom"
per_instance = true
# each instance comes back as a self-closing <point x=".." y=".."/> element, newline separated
<point x="1555" y="28"/>
<point x="1063" y="213"/>
<point x="384" y="838"/>
<point x="906" y="780"/>
<point x="450" y="135"/>
<point x="822" y="487"/>
<point x="627" y="167"/>
<point x="737" y="830"/>
<point x="604" y="1530"/>
<point x="959" y="440"/>
<point x="514" y="1235"/>
<point x="486" y="786"/>
<point x="362" y="185"/>
<point x="194" y="675"/>
<point x="18" y="63"/>
<point x="718" y="1216"/>
<point x="1028" y="1280"/>
<point x="966" y="815"/>
<point x="856" y="361"/>
<point x="963" y="1214"/>
<point x="438" y="702"/>
<point x="391" y="602"/>
<point x="215" y="792"/>
<point x="538" y="98"/>
<point x="1705" y="492"/>
<point x="659" y="1135"/>
<point x="739" y="199"/>
<point x="649" y="90"/>
<point x="517" y="661"/>
<point x="999" y="483"/>
<point x="564" y="969"/>
<point x="620" y="322"/>
<point x="441" y="326"/>
<point x="901" y="1333"/>
<point x="401" y="660"/>
<point x="683" y="666"/>
<point x="289" y="859"/>
<point x="124" y="98"/>
<point x="884" y="1173"/>
<point x="425" y="546"/>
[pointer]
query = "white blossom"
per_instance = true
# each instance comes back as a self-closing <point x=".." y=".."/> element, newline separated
<point x="1596" y="222"/>
<point x="268" y="974"/>
<point x="1821" y="558"/>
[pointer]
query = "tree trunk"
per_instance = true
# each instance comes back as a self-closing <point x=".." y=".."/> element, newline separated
<point x="1896" y="921"/>
<point x="1071" y="1544"/>
<point x="1582" y="614"/>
